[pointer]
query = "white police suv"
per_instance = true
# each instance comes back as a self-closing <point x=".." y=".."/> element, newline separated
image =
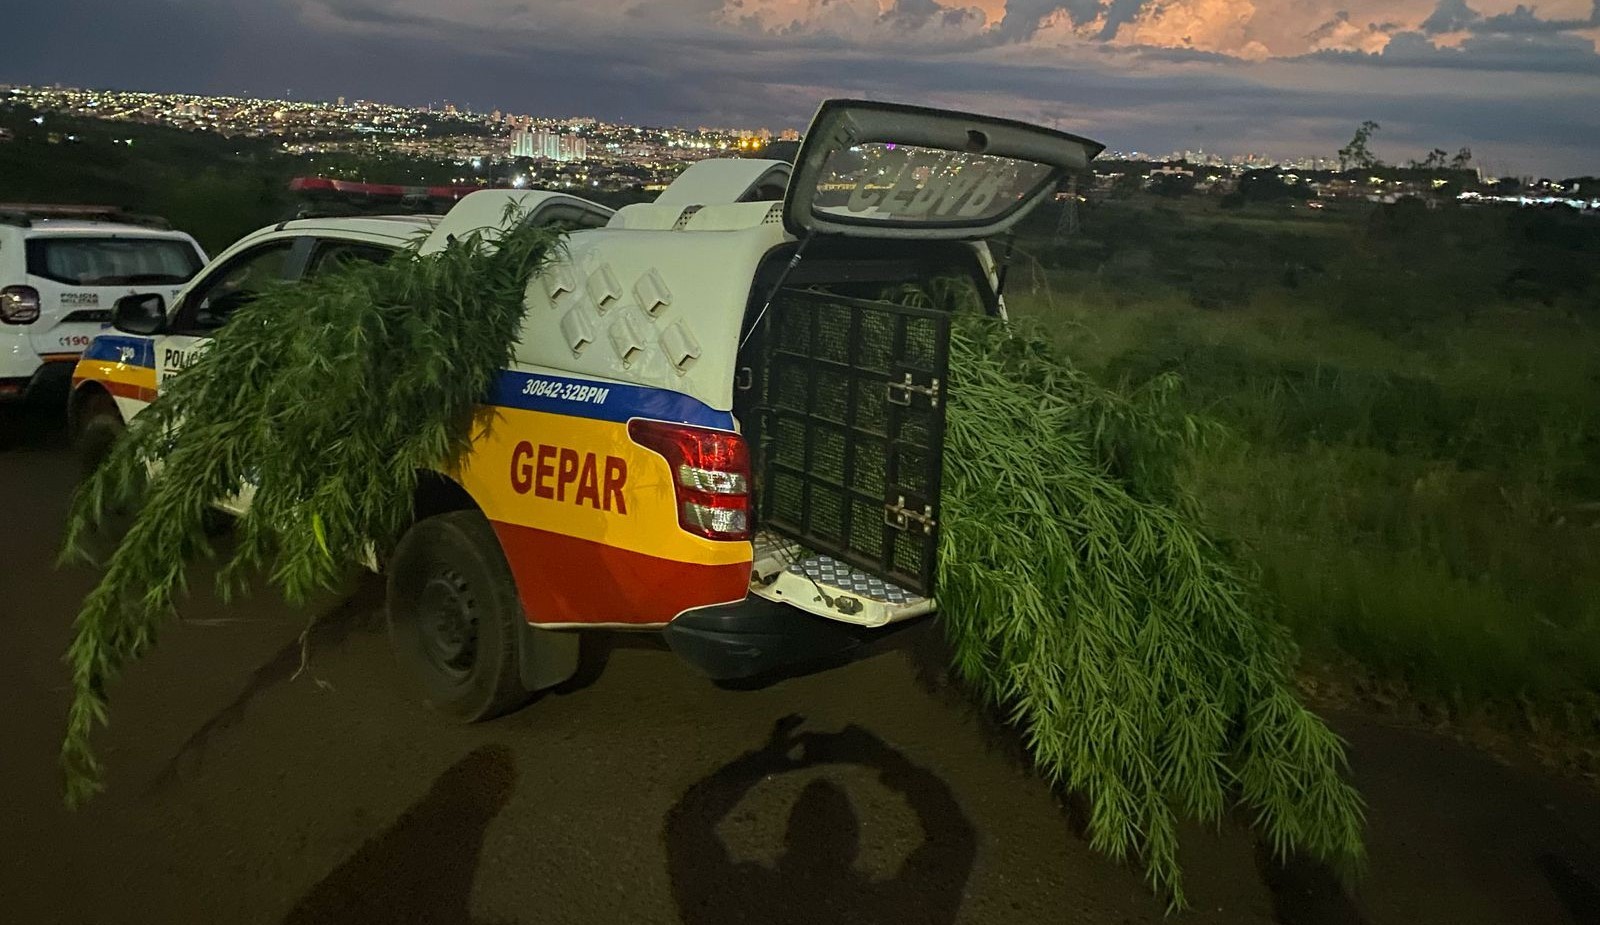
<point x="61" y="270"/>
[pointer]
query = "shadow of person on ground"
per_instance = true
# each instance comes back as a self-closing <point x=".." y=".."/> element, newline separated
<point x="1305" y="891"/>
<point x="422" y="867"/>
<point x="1577" y="893"/>
<point x="815" y="878"/>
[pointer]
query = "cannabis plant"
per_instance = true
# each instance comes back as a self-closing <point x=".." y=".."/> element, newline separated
<point x="1083" y="596"/>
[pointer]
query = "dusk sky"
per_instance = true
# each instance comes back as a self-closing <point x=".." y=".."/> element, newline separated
<point x="1518" y="84"/>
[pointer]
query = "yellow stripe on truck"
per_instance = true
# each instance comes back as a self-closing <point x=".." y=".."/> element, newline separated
<point x="583" y="478"/>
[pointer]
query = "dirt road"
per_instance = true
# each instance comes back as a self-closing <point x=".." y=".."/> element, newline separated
<point x="241" y="791"/>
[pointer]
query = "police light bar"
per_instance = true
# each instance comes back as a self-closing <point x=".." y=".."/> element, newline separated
<point x="24" y="214"/>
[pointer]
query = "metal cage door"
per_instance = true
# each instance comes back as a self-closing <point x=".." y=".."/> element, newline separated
<point x="853" y="431"/>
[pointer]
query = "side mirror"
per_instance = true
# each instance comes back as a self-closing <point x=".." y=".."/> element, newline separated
<point x="145" y="313"/>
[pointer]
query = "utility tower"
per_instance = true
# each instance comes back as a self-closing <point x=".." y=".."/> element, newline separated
<point x="1067" y="222"/>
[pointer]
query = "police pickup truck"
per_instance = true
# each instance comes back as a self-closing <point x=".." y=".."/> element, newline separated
<point x="714" y="427"/>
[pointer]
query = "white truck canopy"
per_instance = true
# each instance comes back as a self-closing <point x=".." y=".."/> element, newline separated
<point x="722" y="180"/>
<point x="485" y="211"/>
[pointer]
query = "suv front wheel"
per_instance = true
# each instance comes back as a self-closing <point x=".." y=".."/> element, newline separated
<point x="454" y="617"/>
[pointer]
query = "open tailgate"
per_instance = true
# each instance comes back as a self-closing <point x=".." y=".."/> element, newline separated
<point x="889" y="170"/>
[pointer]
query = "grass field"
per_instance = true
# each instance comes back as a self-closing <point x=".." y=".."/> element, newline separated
<point x="1411" y="401"/>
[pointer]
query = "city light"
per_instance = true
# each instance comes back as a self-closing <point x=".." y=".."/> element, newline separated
<point x="576" y="150"/>
<point x="581" y="151"/>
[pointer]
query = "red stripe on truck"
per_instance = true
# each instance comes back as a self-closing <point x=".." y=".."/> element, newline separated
<point x="120" y="389"/>
<point x="563" y="579"/>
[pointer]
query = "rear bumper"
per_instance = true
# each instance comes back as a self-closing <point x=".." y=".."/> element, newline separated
<point x="51" y="381"/>
<point x="757" y="637"/>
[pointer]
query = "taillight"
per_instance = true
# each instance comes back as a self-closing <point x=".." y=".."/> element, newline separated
<point x="19" y="305"/>
<point x="710" y="476"/>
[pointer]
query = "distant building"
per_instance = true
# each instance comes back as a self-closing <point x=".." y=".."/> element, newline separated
<point x="547" y="145"/>
<point x="572" y="148"/>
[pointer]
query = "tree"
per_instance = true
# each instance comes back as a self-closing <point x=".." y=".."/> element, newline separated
<point x="1506" y="186"/>
<point x="1266" y="186"/>
<point x="1356" y="153"/>
<point x="1126" y="184"/>
<point x="1461" y="160"/>
<point x="1434" y="161"/>
<point x="1172" y="185"/>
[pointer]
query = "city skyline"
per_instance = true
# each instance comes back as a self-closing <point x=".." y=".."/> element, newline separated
<point x="266" y="116"/>
<point x="1514" y="83"/>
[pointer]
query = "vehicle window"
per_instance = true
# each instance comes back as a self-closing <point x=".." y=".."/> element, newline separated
<point x="885" y="182"/>
<point x="231" y="287"/>
<point x="110" y="261"/>
<point x="332" y="254"/>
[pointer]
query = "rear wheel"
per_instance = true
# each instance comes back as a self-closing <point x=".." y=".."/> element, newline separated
<point x="99" y="427"/>
<point x="454" y="617"/>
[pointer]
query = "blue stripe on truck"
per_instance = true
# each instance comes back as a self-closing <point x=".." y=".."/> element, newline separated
<point x="604" y="401"/>
<point x="115" y="347"/>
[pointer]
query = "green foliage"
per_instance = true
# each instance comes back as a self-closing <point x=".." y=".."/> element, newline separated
<point x="1172" y="185"/>
<point x="1084" y="598"/>
<point x="1413" y="462"/>
<point x="1453" y="580"/>
<point x="1435" y="160"/>
<point x="329" y="396"/>
<point x="1268" y="186"/>
<point x="212" y="187"/>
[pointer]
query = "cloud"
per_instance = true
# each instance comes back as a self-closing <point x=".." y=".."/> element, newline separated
<point x="1449" y="16"/>
<point x="923" y="23"/>
<point x="1524" y="19"/>
<point x="1253" y="30"/>
<point x="1023" y="18"/>
<point x="1534" y="51"/>
<point x="1340" y="34"/>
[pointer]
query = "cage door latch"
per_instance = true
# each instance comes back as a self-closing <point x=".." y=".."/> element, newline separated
<point x="900" y="393"/>
<point x="903" y="518"/>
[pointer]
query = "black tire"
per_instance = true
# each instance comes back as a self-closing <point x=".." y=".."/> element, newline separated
<point x="454" y="617"/>
<point x="99" y="427"/>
